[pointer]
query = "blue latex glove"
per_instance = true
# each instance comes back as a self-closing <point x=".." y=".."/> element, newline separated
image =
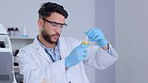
<point x="77" y="55"/>
<point x="96" y="35"/>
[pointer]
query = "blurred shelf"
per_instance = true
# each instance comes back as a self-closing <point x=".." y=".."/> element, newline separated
<point x="19" y="42"/>
<point x="16" y="67"/>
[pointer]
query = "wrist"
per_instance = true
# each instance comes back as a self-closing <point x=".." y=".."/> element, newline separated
<point x="66" y="67"/>
<point x="106" y="47"/>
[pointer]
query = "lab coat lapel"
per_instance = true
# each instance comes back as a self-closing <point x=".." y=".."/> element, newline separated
<point x="41" y="51"/>
<point x="43" y="54"/>
<point x="63" y="48"/>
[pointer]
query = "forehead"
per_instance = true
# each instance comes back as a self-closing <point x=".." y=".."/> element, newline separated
<point x="56" y="17"/>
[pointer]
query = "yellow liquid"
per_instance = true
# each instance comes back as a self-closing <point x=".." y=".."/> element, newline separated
<point x="84" y="42"/>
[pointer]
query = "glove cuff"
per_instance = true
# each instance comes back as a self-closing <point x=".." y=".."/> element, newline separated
<point x="102" y="42"/>
<point x="67" y="63"/>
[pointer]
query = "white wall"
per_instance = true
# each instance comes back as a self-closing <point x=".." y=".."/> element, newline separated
<point x="104" y="19"/>
<point x="131" y="31"/>
<point x="23" y="13"/>
<point x="20" y="14"/>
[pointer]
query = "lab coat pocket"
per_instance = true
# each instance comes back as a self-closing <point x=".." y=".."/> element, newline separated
<point x="61" y="78"/>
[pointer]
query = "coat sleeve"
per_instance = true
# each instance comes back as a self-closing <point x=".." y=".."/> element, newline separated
<point x="34" y="72"/>
<point x="99" y="58"/>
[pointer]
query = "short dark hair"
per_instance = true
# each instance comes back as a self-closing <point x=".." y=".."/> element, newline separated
<point x="49" y="7"/>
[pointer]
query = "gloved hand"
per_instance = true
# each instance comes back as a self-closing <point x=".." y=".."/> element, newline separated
<point x="96" y="35"/>
<point x="77" y="55"/>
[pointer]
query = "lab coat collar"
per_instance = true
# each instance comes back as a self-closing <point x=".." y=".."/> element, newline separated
<point x="42" y="52"/>
<point x="56" y="47"/>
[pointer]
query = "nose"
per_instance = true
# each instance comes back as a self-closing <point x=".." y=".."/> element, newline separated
<point x="58" y="29"/>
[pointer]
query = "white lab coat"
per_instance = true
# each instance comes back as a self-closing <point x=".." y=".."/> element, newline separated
<point x="36" y="65"/>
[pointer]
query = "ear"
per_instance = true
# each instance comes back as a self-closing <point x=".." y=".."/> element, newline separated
<point x="40" y="23"/>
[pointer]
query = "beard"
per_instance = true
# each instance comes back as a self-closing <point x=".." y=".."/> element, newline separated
<point x="48" y="37"/>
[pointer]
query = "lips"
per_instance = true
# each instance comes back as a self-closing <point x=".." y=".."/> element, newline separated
<point x="55" y="36"/>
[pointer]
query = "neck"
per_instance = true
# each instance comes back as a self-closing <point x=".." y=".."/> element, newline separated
<point x="45" y="43"/>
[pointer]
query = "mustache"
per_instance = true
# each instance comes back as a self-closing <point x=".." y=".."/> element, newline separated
<point x="55" y="34"/>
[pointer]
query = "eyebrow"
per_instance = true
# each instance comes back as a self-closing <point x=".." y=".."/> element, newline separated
<point x="54" y="22"/>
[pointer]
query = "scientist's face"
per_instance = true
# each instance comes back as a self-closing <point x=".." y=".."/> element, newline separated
<point x="51" y="27"/>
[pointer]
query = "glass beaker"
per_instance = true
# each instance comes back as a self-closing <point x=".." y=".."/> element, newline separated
<point x="49" y="80"/>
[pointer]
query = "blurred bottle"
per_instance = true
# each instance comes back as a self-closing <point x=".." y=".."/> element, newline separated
<point x="24" y="34"/>
<point x="8" y="32"/>
<point x="16" y="31"/>
<point x="12" y="34"/>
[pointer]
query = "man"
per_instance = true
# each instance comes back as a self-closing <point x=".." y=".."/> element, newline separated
<point x="54" y="59"/>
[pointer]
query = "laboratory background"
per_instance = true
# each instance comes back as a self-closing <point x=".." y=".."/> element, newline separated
<point x="123" y="22"/>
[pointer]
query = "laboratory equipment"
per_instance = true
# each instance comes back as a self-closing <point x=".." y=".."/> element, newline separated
<point x="24" y="34"/>
<point x="86" y="40"/>
<point x="49" y="80"/>
<point x="13" y="32"/>
<point x="6" y="58"/>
